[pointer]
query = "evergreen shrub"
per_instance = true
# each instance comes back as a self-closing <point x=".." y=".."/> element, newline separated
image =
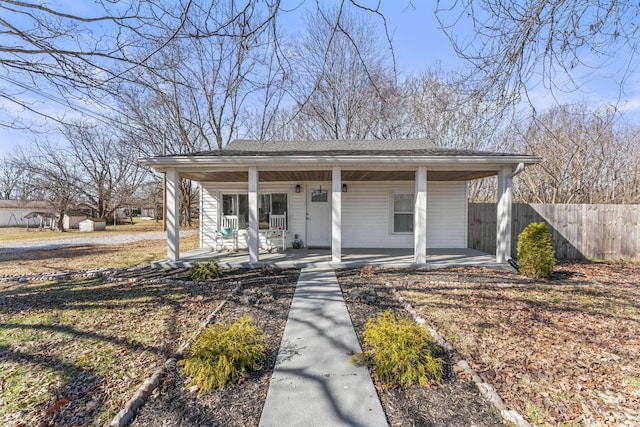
<point x="205" y="271"/>
<point x="536" y="257"/>
<point x="401" y="352"/>
<point x="224" y="352"/>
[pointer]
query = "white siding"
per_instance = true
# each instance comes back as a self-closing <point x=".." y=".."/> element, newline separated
<point x="298" y="215"/>
<point x="446" y="214"/>
<point x="366" y="213"/>
<point x="11" y="217"/>
<point x="209" y="215"/>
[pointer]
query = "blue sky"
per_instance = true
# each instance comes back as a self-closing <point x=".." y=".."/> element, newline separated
<point x="418" y="45"/>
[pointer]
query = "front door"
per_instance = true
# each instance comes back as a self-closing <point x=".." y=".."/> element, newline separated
<point x="318" y="216"/>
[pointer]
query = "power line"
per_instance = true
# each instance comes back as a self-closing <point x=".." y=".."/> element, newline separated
<point x="62" y="101"/>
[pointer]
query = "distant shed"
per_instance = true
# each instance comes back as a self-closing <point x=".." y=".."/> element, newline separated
<point x="73" y="218"/>
<point x="93" y="225"/>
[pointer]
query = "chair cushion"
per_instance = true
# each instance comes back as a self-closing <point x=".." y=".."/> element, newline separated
<point x="227" y="232"/>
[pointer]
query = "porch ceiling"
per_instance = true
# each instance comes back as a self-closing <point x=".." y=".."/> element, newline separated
<point x="325" y="175"/>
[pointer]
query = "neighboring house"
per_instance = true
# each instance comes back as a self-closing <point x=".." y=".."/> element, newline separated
<point x="13" y="212"/>
<point x="341" y="194"/>
<point x="18" y="213"/>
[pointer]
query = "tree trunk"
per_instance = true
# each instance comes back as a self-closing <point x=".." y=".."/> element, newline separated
<point x="60" y="225"/>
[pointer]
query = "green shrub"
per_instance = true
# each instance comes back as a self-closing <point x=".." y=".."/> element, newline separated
<point x="536" y="257"/>
<point x="205" y="271"/>
<point x="401" y="352"/>
<point x="224" y="352"/>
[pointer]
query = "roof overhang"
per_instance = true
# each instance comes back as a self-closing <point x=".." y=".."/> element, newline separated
<point x="318" y="167"/>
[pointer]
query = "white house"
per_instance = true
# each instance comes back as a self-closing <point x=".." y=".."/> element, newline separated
<point x="13" y="212"/>
<point x="339" y="194"/>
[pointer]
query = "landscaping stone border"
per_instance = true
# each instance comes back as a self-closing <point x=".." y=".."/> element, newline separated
<point x="486" y="389"/>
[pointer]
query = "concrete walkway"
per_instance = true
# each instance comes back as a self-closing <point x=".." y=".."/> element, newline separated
<point x="313" y="383"/>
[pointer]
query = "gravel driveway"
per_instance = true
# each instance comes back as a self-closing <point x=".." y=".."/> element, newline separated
<point x="115" y="239"/>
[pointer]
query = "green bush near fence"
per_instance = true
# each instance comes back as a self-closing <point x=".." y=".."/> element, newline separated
<point x="536" y="257"/>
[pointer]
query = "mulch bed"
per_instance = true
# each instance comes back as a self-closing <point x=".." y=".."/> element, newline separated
<point x="455" y="402"/>
<point x="267" y="301"/>
<point x="560" y="351"/>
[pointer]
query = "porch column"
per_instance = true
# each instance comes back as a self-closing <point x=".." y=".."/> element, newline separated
<point x="173" y="214"/>
<point x="336" y="215"/>
<point x="503" y="229"/>
<point x="420" y="217"/>
<point x="253" y="215"/>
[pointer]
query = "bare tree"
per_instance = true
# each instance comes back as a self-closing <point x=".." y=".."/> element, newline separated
<point x="52" y="47"/>
<point x="54" y="52"/>
<point x="514" y="46"/>
<point x="587" y="158"/>
<point x="10" y="179"/>
<point x="53" y="174"/>
<point x="437" y="107"/>
<point x="340" y="73"/>
<point x="198" y="87"/>
<point x="624" y="166"/>
<point x="108" y="173"/>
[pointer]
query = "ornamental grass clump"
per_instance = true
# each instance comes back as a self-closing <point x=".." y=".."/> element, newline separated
<point x="536" y="257"/>
<point x="401" y="352"/>
<point x="205" y="271"/>
<point x="224" y="352"/>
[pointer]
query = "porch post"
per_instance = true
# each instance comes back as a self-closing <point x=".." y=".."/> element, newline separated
<point x="173" y="214"/>
<point x="253" y="215"/>
<point x="420" y="217"/>
<point x="336" y="215"/>
<point x="503" y="229"/>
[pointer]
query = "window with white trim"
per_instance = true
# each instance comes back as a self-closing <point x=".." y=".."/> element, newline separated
<point x="268" y="203"/>
<point x="403" y="212"/>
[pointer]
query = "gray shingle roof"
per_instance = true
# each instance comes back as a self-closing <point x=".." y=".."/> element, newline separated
<point x="24" y="204"/>
<point x="400" y="147"/>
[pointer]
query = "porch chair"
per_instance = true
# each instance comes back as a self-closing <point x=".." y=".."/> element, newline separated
<point x="228" y="231"/>
<point x="277" y="230"/>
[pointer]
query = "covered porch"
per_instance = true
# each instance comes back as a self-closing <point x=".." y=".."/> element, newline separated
<point x="351" y="258"/>
<point x="407" y="196"/>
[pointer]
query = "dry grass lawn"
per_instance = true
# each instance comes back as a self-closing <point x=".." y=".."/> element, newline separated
<point x="89" y="257"/>
<point x="13" y="234"/>
<point x="563" y="352"/>
<point x="90" y="341"/>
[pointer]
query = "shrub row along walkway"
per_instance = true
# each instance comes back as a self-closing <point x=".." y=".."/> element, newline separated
<point x="313" y="382"/>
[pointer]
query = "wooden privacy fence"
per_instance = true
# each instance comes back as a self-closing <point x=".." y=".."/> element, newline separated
<point x="595" y="232"/>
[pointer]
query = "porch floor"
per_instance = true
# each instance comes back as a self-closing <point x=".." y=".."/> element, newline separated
<point x="351" y="258"/>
